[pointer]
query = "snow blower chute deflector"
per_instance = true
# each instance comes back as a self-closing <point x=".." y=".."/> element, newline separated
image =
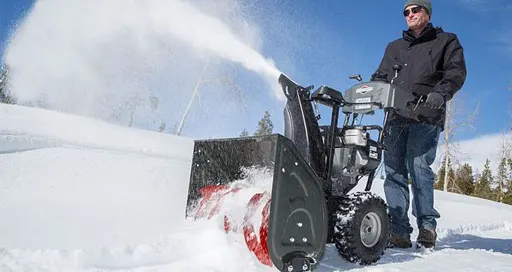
<point x="313" y="168"/>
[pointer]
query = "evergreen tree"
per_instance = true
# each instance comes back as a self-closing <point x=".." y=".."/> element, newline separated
<point x="509" y="177"/>
<point x="451" y="179"/>
<point x="265" y="125"/>
<point x="162" y="127"/>
<point x="439" y="185"/>
<point x="508" y="199"/>
<point x="244" y="133"/>
<point x="464" y="181"/>
<point x="4" y="96"/>
<point x="508" y="195"/>
<point x="440" y="177"/>
<point x="483" y="185"/>
<point x="501" y="180"/>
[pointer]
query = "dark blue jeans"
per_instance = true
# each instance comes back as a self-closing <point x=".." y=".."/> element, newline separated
<point x="411" y="150"/>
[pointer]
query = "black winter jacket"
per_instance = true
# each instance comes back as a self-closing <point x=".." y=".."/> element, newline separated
<point x="432" y="62"/>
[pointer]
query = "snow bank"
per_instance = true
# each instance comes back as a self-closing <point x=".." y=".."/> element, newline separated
<point x="71" y="182"/>
<point x="29" y="128"/>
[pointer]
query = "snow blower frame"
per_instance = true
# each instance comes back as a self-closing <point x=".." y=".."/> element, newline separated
<point x="313" y="170"/>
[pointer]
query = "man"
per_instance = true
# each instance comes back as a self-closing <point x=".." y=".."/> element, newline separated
<point x="432" y="68"/>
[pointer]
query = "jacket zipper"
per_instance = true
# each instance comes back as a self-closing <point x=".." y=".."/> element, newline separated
<point x="409" y="86"/>
<point x="431" y="62"/>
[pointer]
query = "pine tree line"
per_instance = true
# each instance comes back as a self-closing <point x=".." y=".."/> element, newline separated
<point x="484" y="184"/>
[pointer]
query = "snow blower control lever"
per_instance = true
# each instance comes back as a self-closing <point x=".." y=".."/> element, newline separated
<point x="311" y="169"/>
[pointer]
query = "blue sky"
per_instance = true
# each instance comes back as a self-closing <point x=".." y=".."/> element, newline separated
<point x="324" y="41"/>
<point x="11" y="12"/>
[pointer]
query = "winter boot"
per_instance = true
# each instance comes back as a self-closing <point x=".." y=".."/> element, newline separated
<point x="400" y="241"/>
<point x="426" y="238"/>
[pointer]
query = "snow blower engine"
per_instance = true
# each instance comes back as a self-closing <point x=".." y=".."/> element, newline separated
<point x="306" y="203"/>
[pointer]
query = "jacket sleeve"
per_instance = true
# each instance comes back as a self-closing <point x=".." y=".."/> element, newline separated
<point x="382" y="72"/>
<point x="454" y="70"/>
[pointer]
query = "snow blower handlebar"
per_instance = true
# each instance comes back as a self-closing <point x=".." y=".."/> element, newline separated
<point x="329" y="149"/>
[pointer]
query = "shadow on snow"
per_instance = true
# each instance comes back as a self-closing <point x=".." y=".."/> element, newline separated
<point x="332" y="261"/>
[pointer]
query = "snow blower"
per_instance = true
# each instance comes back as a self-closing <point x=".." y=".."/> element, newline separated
<point x="306" y="202"/>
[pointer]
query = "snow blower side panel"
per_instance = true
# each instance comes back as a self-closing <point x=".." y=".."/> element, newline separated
<point x="298" y="214"/>
<point x="295" y="227"/>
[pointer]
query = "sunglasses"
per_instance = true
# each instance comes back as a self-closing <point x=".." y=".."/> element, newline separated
<point x="414" y="10"/>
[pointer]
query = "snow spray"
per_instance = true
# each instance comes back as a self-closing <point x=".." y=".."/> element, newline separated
<point x="108" y="59"/>
<point x="205" y="32"/>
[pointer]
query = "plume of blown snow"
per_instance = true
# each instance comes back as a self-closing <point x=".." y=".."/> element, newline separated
<point x="134" y="61"/>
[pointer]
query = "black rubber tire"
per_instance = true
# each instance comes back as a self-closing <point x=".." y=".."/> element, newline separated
<point x="348" y="218"/>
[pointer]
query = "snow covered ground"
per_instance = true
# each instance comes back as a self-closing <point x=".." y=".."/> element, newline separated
<point x="82" y="195"/>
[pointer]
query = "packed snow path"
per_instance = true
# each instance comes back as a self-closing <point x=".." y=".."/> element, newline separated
<point x="82" y="195"/>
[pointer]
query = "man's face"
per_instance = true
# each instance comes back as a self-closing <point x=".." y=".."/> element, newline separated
<point x="416" y="17"/>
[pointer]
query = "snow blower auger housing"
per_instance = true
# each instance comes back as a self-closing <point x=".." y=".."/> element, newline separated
<point x="307" y="203"/>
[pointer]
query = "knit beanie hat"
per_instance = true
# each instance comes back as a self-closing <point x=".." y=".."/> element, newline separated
<point x="424" y="3"/>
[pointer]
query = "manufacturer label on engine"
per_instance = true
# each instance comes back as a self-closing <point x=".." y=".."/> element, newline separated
<point x="364" y="89"/>
<point x="363" y="100"/>
<point x="363" y="107"/>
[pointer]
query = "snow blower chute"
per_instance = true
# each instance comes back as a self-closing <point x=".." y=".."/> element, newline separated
<point x="295" y="189"/>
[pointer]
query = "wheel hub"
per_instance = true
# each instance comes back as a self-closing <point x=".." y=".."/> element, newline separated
<point x="371" y="229"/>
